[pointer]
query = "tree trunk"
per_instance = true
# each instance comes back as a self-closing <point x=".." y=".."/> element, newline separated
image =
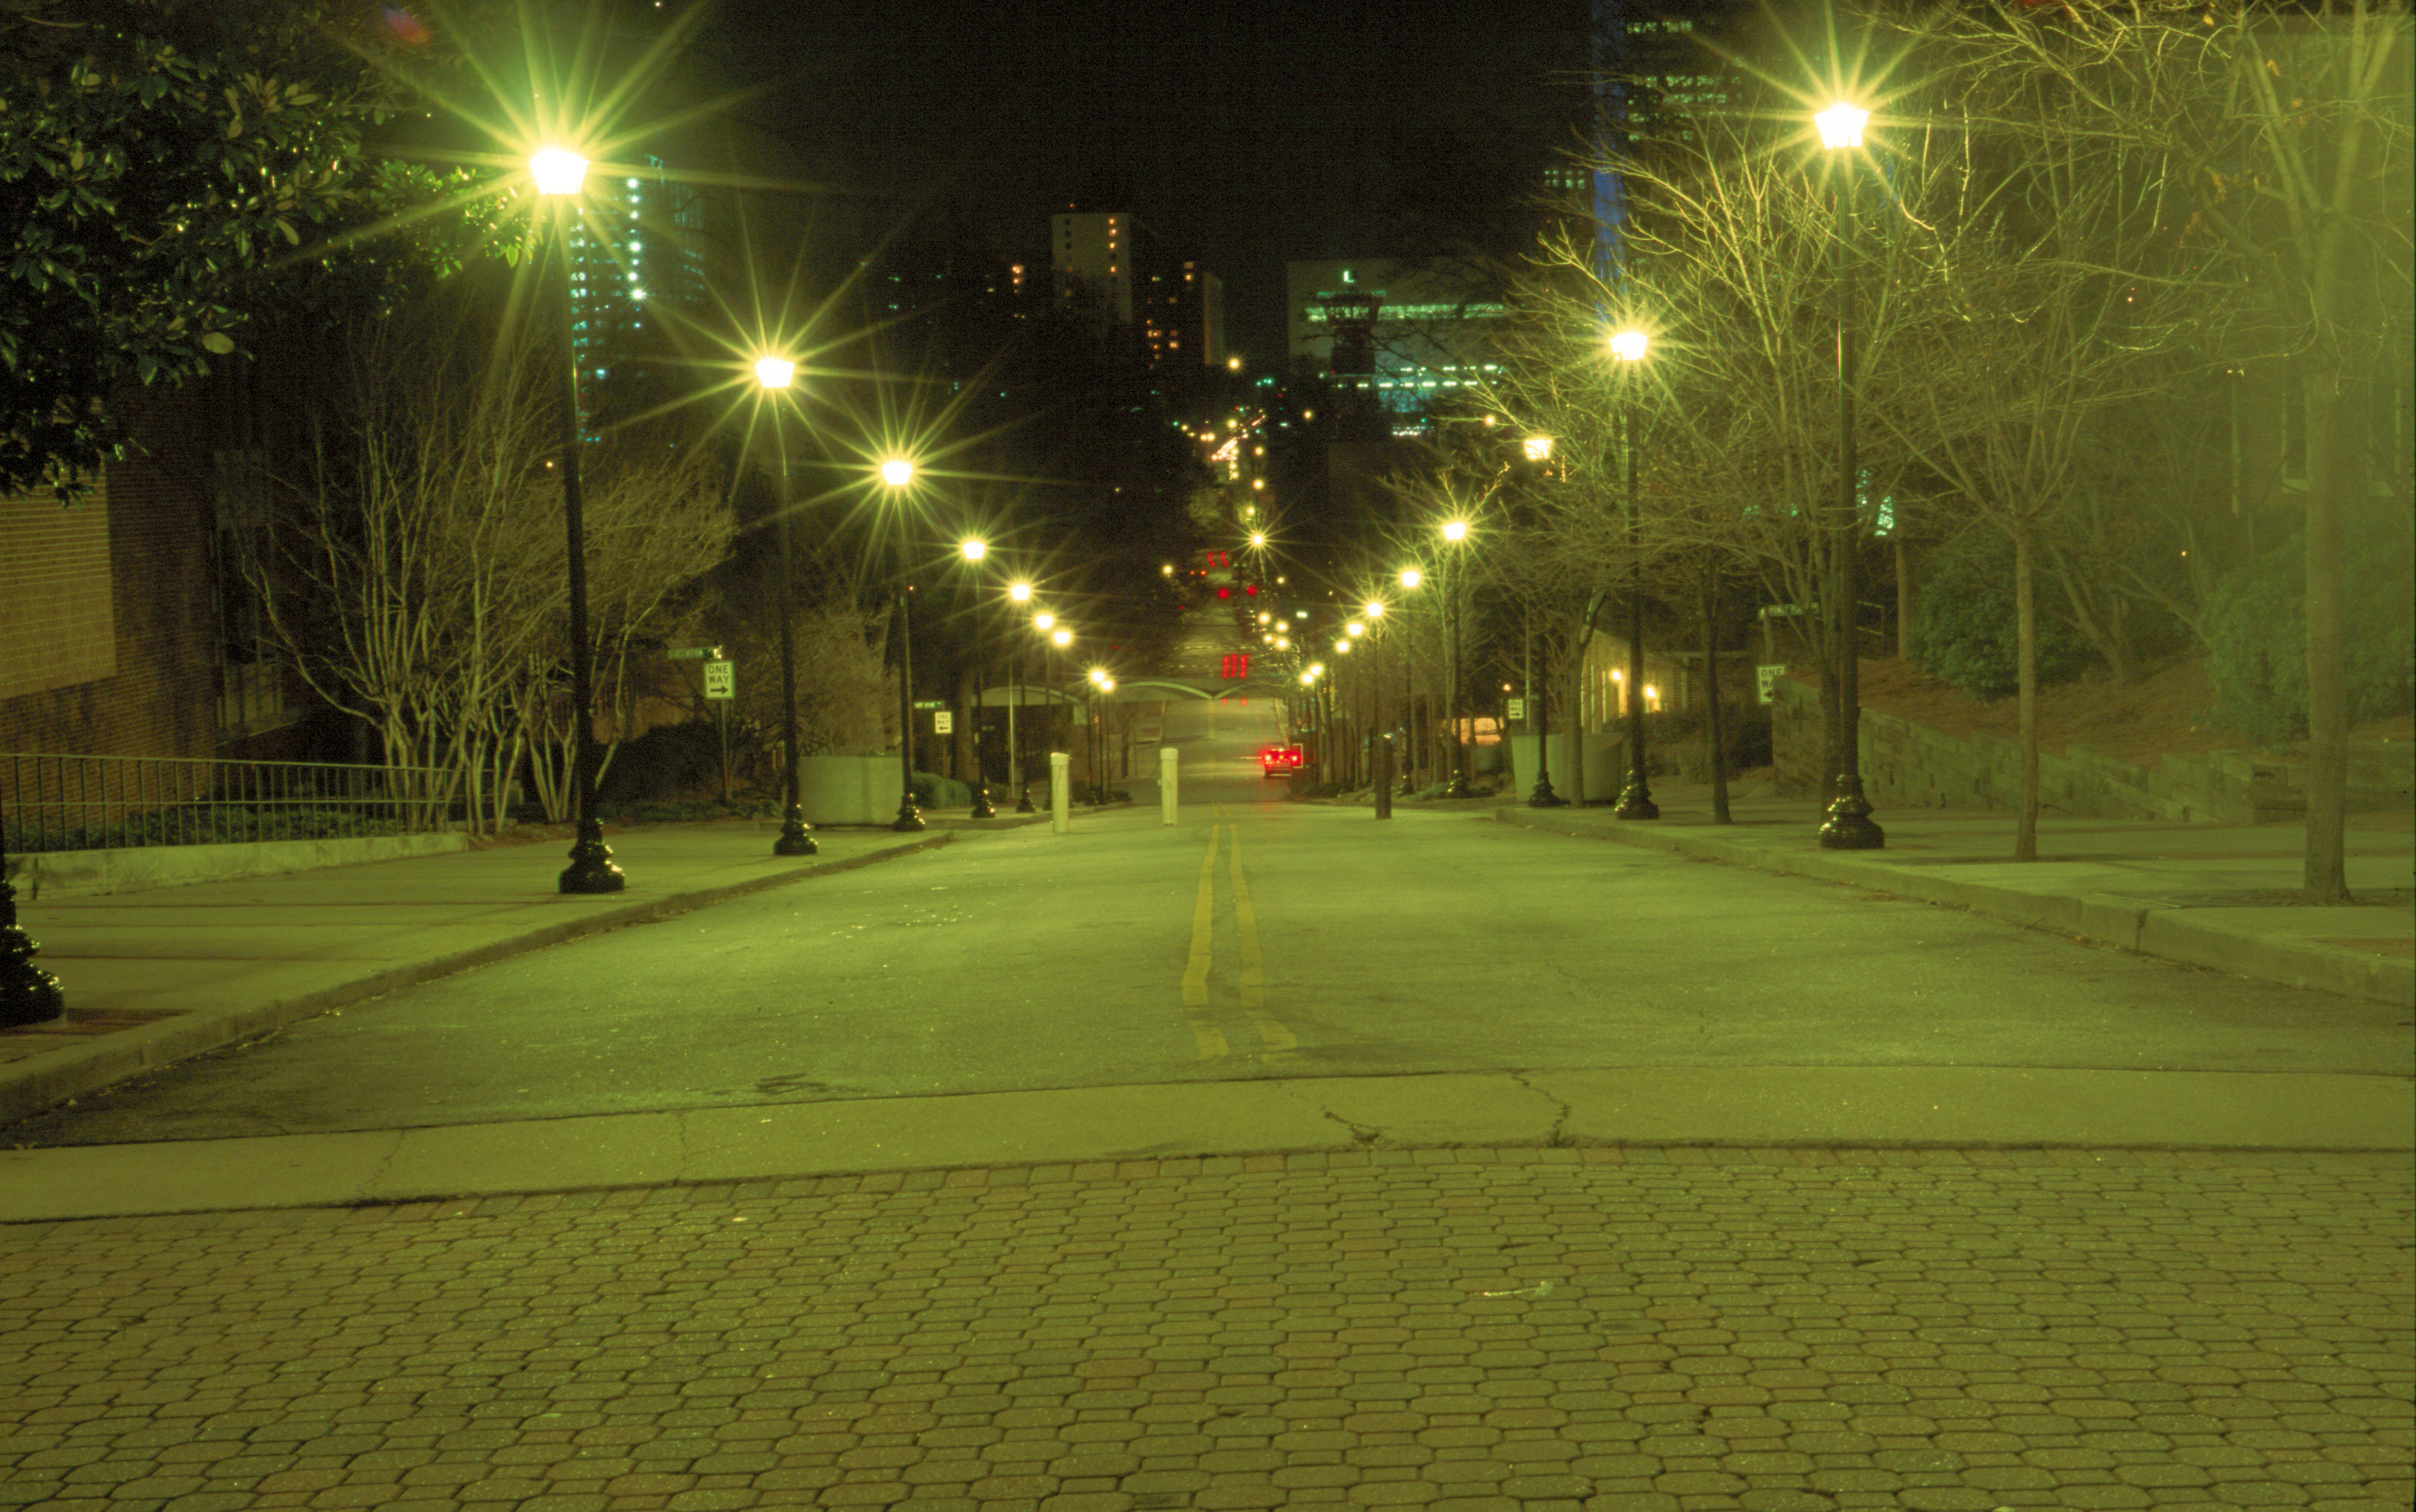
<point x="2026" y="676"/>
<point x="2329" y="469"/>
<point x="1717" y="735"/>
<point x="1905" y="601"/>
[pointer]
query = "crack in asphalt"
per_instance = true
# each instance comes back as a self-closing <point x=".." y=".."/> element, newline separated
<point x="1366" y="1136"/>
<point x="1558" y="1138"/>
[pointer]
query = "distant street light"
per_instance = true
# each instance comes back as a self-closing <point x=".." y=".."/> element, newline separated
<point x="897" y="473"/>
<point x="1636" y="799"/>
<point x="974" y="552"/>
<point x="773" y="376"/>
<point x="1018" y="593"/>
<point x="1848" y="826"/>
<point x="559" y="173"/>
<point x="1456" y="532"/>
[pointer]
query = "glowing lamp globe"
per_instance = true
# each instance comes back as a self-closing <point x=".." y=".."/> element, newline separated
<point x="557" y="171"/>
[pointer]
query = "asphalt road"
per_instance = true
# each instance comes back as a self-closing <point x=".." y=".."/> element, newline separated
<point x="1257" y="938"/>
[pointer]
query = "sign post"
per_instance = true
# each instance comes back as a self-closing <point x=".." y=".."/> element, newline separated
<point x="1166" y="780"/>
<point x="720" y="687"/>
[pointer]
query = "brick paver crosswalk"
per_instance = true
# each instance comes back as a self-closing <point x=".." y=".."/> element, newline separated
<point x="1452" y="1329"/>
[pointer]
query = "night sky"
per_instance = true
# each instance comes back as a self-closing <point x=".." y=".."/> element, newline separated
<point x="1251" y="130"/>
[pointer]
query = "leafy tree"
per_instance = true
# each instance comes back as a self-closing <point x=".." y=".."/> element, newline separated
<point x="164" y="164"/>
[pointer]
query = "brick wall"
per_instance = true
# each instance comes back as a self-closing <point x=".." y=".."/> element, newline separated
<point x="57" y="620"/>
<point x="153" y="691"/>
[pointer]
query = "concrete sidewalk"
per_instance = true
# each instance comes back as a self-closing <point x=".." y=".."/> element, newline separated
<point x="153" y="978"/>
<point x="2224" y="897"/>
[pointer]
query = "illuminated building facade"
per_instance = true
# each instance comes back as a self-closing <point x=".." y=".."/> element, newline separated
<point x="1404" y="335"/>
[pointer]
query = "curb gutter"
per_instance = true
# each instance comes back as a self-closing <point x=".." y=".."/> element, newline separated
<point x="2126" y="923"/>
<point x="31" y="1086"/>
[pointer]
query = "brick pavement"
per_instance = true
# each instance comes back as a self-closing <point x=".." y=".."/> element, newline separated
<point x="1453" y="1329"/>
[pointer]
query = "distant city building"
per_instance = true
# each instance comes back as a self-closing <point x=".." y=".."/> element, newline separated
<point x="637" y="251"/>
<point x="1403" y="334"/>
<point x="1111" y="267"/>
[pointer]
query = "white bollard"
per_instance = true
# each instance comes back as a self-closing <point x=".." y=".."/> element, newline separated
<point x="1060" y="792"/>
<point x="1165" y="785"/>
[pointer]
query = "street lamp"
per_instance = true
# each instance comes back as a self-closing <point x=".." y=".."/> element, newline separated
<point x="1410" y="579"/>
<point x="1456" y="532"/>
<point x="1636" y="799"/>
<point x="1018" y="593"/>
<point x="974" y="552"/>
<point x="559" y="172"/>
<point x="773" y="376"/>
<point x="1848" y="826"/>
<point x="897" y="474"/>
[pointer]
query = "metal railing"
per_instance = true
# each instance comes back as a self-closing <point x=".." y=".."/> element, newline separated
<point x="97" y="803"/>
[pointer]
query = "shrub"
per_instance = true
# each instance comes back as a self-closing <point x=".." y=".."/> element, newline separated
<point x="1965" y="622"/>
<point x="2255" y="630"/>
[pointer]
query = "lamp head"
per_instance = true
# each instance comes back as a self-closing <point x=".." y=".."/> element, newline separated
<point x="1019" y="592"/>
<point x="1373" y="608"/>
<point x="1060" y="638"/>
<point x="775" y="372"/>
<point x="1628" y="345"/>
<point x="1411" y="577"/>
<point x="973" y="550"/>
<point x="896" y="472"/>
<point x="1538" y="449"/>
<point x="557" y="170"/>
<point x="1455" y="530"/>
<point x="1841" y="125"/>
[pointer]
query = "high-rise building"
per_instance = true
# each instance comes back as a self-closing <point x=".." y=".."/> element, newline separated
<point x="637" y="251"/>
<point x="1094" y="255"/>
<point x="1111" y="268"/>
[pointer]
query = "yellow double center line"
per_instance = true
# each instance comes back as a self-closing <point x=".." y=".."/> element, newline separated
<point x="1276" y="1042"/>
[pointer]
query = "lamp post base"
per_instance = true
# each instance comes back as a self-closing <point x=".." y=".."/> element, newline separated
<point x="1023" y="799"/>
<point x="793" y="840"/>
<point x="910" y="819"/>
<point x="29" y="995"/>
<point x="1636" y="800"/>
<point x="1849" y="826"/>
<point x="982" y="809"/>
<point x="591" y="868"/>
<point x="1544" y="798"/>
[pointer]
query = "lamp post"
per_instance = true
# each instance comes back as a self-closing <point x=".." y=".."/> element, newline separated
<point x="1456" y="532"/>
<point x="974" y="552"/>
<point x="1411" y="577"/>
<point x="1636" y="799"/>
<point x="1848" y="826"/>
<point x="774" y="375"/>
<point x="1019" y="594"/>
<point x="898" y="473"/>
<point x="1059" y="639"/>
<point x="1099" y="686"/>
<point x="559" y="172"/>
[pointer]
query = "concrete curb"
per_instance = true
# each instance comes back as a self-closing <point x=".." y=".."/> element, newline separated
<point x="31" y="1086"/>
<point x="2148" y="928"/>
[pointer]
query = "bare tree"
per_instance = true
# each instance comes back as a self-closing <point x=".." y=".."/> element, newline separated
<point x="419" y="583"/>
<point x="2289" y="129"/>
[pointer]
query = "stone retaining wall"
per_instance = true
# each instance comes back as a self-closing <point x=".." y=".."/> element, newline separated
<point x="1909" y="764"/>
